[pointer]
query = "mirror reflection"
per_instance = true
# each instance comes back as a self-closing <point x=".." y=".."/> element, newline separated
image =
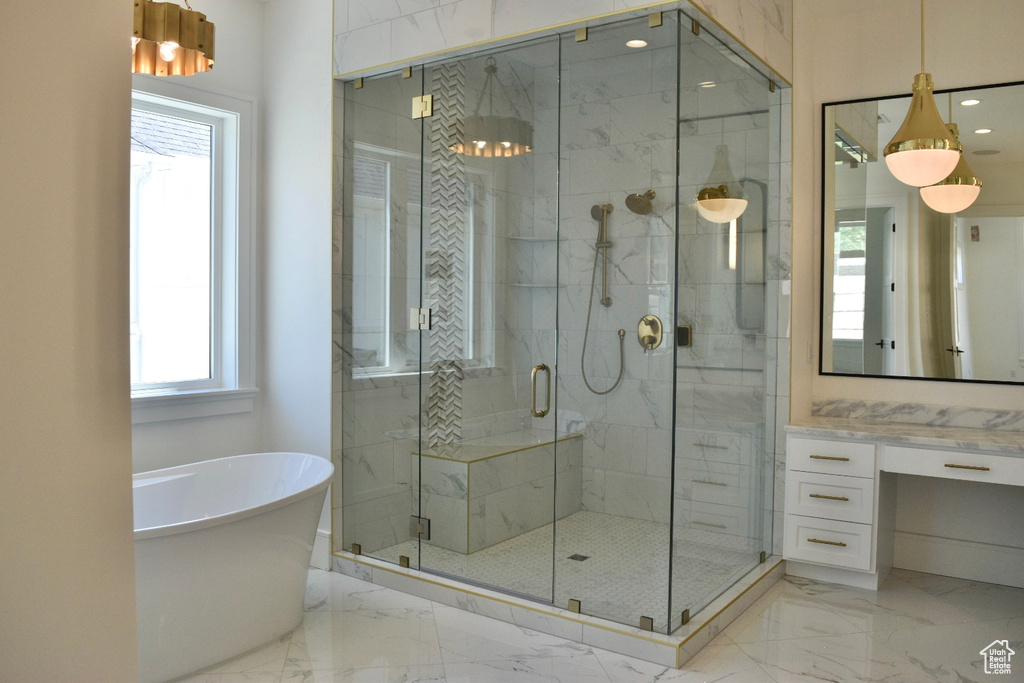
<point x="908" y="291"/>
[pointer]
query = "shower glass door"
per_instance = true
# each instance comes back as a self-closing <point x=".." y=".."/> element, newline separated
<point x="617" y="245"/>
<point x="487" y="467"/>
<point x="553" y="375"/>
<point x="729" y="134"/>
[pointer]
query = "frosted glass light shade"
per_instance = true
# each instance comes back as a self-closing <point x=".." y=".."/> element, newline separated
<point x="721" y="210"/>
<point x="922" y="167"/>
<point x="950" y="198"/>
<point x="923" y="151"/>
<point x="958" y="190"/>
<point x="722" y="200"/>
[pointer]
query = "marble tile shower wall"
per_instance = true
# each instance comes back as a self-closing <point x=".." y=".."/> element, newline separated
<point x="732" y="383"/>
<point x="377" y="488"/>
<point x="379" y="413"/>
<point x="371" y="33"/>
<point x="618" y="137"/>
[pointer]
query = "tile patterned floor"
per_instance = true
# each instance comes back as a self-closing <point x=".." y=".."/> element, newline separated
<point x="916" y="628"/>
<point x="623" y="578"/>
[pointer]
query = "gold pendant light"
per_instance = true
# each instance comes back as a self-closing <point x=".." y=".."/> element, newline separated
<point x="490" y="135"/>
<point x="169" y="40"/>
<point x="923" y="151"/>
<point x="960" y="188"/>
<point x="722" y="200"/>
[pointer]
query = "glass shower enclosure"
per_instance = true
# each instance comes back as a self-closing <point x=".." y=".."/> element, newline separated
<point x="553" y="373"/>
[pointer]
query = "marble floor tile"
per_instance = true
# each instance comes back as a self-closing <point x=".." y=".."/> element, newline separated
<point x="895" y="605"/>
<point x="798" y="631"/>
<point x="952" y="652"/>
<point x="974" y="599"/>
<point x="328" y="592"/>
<point x="784" y="613"/>
<point x="581" y="669"/>
<point x="386" y="674"/>
<point x="364" y="638"/>
<point x="719" y="663"/>
<point x="851" y="658"/>
<point x="256" y="665"/>
<point x="466" y="637"/>
<point x="252" y="677"/>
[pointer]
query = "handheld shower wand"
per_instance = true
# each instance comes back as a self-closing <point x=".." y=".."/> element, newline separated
<point x="599" y="213"/>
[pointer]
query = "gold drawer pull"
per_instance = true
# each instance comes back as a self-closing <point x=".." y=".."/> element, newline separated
<point x="713" y="526"/>
<point x="822" y="495"/>
<point x="709" y="482"/>
<point x="829" y="457"/>
<point x="968" y="467"/>
<point x="838" y="543"/>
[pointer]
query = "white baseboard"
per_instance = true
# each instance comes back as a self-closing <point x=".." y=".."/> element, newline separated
<point x="999" y="564"/>
<point x="321" y="557"/>
<point x="846" y="577"/>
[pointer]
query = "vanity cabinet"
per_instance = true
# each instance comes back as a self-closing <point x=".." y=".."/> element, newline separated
<point x="832" y="520"/>
<point x="840" y="505"/>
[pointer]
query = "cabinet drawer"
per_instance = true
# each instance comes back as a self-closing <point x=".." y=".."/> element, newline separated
<point x="851" y="458"/>
<point x="930" y="462"/>
<point x="826" y="541"/>
<point x="831" y="496"/>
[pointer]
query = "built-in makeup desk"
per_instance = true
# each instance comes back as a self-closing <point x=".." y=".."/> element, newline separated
<point x="840" y="506"/>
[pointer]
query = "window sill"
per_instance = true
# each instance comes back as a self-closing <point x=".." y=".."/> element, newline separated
<point x="185" y="405"/>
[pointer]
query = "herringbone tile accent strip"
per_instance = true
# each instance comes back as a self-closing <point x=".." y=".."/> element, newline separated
<point x="446" y="257"/>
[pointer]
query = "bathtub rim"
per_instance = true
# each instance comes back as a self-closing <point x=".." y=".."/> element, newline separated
<point x="186" y="526"/>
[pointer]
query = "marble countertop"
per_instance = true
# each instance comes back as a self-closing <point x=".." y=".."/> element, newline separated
<point x="999" y="441"/>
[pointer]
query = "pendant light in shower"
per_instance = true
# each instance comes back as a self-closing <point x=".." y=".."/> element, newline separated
<point x="721" y="201"/>
<point x="170" y="40"/>
<point x="923" y="151"/>
<point x="960" y="188"/>
<point x="490" y="135"/>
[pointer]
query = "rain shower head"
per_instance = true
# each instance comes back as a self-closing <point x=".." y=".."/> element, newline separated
<point x="640" y="203"/>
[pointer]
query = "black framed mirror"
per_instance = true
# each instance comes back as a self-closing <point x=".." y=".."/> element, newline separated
<point x="908" y="291"/>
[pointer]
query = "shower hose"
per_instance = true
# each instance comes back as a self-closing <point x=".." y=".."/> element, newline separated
<point x="586" y="333"/>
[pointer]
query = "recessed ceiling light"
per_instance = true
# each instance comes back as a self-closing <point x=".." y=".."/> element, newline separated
<point x="983" y="131"/>
<point x="707" y="84"/>
<point x="970" y="103"/>
<point x="636" y="43"/>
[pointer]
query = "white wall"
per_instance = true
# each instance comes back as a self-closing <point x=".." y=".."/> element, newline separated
<point x="238" y="72"/>
<point x="67" y="580"/>
<point x="877" y="52"/>
<point x="297" y="238"/>
<point x="845" y="50"/>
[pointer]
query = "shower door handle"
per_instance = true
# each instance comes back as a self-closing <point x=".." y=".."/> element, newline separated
<point x="547" y="390"/>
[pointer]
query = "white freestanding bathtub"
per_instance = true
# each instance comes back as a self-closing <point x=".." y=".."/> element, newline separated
<point x="222" y="551"/>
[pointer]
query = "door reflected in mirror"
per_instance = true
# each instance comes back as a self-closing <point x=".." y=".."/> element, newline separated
<point x="908" y="291"/>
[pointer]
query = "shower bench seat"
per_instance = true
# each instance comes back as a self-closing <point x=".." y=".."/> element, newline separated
<point x="487" y="490"/>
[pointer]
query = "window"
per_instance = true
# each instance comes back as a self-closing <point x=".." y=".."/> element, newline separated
<point x="190" y="214"/>
<point x="386" y="261"/>
<point x="849" y="283"/>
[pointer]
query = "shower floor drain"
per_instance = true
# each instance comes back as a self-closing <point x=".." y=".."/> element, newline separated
<point x="579" y="558"/>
